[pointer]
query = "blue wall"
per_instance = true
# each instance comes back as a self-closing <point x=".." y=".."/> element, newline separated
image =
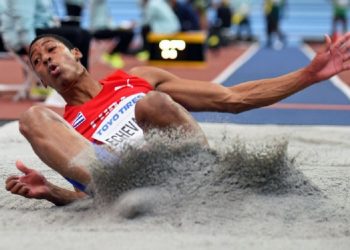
<point x="303" y="18"/>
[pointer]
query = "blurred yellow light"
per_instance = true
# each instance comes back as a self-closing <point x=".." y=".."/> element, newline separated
<point x="164" y="44"/>
<point x="170" y="47"/>
<point x="169" y="54"/>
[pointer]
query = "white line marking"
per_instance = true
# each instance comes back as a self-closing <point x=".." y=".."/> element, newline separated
<point x="223" y="76"/>
<point x="10" y="87"/>
<point x="335" y="80"/>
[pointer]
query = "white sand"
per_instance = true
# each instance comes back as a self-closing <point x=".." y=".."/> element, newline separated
<point x="240" y="220"/>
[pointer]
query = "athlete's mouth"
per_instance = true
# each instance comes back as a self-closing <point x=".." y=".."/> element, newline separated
<point x="54" y="70"/>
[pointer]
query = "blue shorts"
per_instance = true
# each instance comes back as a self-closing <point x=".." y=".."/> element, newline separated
<point x="104" y="156"/>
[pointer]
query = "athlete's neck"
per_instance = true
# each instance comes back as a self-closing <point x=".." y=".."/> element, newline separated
<point x="83" y="90"/>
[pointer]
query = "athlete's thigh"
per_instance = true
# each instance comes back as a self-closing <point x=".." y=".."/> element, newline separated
<point x="52" y="138"/>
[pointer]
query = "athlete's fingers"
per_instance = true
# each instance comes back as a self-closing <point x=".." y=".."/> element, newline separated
<point x="346" y="66"/>
<point x="21" y="167"/>
<point x="10" y="178"/>
<point x="10" y="184"/>
<point x="342" y="40"/>
<point x="344" y="48"/>
<point x="16" y="187"/>
<point x="328" y="43"/>
<point x="346" y="56"/>
<point x="24" y="190"/>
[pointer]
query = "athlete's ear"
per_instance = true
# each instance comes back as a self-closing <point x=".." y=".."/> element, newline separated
<point x="77" y="54"/>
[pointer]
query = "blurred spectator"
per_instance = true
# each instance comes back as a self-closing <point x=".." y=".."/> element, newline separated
<point x="224" y="15"/>
<point x="241" y="18"/>
<point x="221" y="24"/>
<point x="22" y="21"/>
<point x="340" y="8"/>
<point x="201" y="7"/>
<point x="102" y="27"/>
<point x="158" y="17"/>
<point x="74" y="9"/>
<point x="273" y="11"/>
<point x="186" y="14"/>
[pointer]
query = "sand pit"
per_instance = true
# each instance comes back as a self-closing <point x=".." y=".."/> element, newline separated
<point x="260" y="187"/>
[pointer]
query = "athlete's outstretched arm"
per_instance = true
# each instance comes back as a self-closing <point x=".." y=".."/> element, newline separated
<point x="33" y="184"/>
<point x="201" y="95"/>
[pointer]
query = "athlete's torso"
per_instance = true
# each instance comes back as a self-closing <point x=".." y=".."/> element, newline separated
<point x="110" y="117"/>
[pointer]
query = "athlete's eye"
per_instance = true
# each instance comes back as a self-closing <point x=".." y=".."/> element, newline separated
<point x="36" y="61"/>
<point x="51" y="48"/>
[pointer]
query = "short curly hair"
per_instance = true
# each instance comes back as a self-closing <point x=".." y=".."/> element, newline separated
<point x="61" y="39"/>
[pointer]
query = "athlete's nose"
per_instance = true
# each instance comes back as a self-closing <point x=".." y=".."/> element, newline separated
<point x="46" y="59"/>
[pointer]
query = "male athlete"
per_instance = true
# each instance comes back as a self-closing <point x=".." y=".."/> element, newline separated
<point x="119" y="109"/>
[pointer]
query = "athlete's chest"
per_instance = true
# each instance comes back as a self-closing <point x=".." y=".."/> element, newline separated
<point x="118" y="100"/>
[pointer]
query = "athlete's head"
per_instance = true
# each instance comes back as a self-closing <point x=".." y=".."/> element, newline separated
<point x="61" y="39"/>
<point x="56" y="61"/>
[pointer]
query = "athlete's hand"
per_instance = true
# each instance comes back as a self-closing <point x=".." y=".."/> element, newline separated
<point x="332" y="60"/>
<point x="30" y="185"/>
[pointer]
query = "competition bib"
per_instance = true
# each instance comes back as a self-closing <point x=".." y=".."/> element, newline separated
<point x="119" y="127"/>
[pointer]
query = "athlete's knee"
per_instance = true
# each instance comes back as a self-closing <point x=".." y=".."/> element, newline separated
<point x="158" y="110"/>
<point x="154" y="106"/>
<point x="154" y="101"/>
<point x="32" y="120"/>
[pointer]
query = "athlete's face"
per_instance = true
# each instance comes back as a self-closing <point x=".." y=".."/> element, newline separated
<point x="55" y="64"/>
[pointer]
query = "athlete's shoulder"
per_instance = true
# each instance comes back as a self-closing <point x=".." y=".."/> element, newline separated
<point x="115" y="75"/>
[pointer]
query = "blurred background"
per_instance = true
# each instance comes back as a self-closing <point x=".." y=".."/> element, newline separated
<point x="301" y="19"/>
<point x="224" y="41"/>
